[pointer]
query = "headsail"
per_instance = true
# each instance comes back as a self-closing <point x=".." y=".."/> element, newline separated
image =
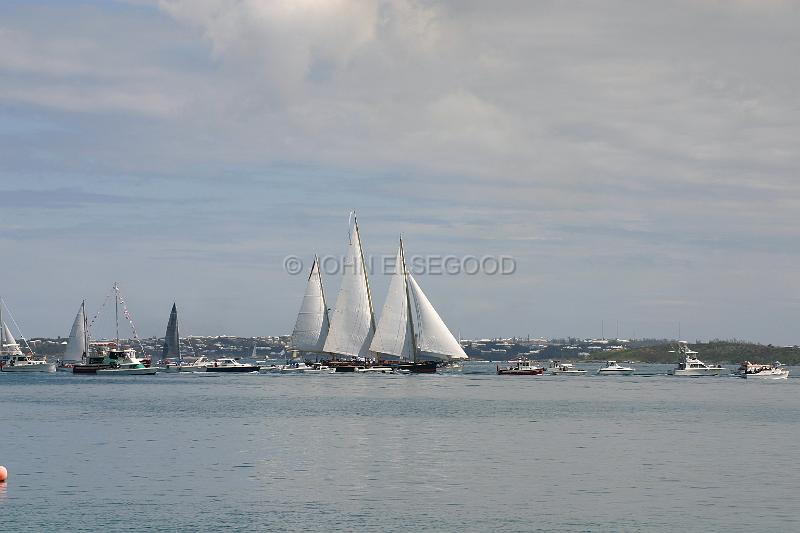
<point x="172" y="344"/>
<point x="311" y="327"/>
<point x="394" y="334"/>
<point x="434" y="340"/>
<point x="353" y="320"/>
<point x="76" y="344"/>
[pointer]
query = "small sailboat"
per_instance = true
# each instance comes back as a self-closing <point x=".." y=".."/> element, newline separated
<point x="171" y="356"/>
<point x="411" y="334"/>
<point x="77" y="342"/>
<point x="12" y="359"/>
<point x="352" y="322"/>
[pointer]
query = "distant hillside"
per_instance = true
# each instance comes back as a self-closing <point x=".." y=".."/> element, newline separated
<point x="716" y="351"/>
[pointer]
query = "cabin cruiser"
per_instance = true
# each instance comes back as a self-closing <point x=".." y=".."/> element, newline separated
<point x="125" y="362"/>
<point x="691" y="366"/>
<point x="198" y="365"/>
<point x="557" y="367"/>
<point x="613" y="369"/>
<point x="750" y="370"/>
<point x="229" y="364"/>
<point x="25" y="363"/>
<point x="521" y="367"/>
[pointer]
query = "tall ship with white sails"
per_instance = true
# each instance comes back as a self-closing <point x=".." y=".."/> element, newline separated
<point x="410" y="330"/>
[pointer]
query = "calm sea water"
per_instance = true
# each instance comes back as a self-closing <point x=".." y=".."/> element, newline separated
<point x="452" y="452"/>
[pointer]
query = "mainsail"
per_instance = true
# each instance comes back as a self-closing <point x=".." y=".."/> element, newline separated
<point x="311" y="327"/>
<point x="9" y="344"/>
<point x="76" y="344"/>
<point x="394" y="335"/>
<point x="434" y="340"/>
<point x="353" y="320"/>
<point x="172" y="347"/>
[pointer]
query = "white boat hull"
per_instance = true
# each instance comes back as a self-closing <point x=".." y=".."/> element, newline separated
<point x="37" y="367"/>
<point x="783" y="374"/>
<point x="614" y="372"/>
<point x="568" y="372"/>
<point x="697" y="372"/>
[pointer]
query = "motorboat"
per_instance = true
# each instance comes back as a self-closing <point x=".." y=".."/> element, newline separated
<point x="558" y="368"/>
<point x="376" y="369"/>
<point x="613" y="369"/>
<point x="124" y="362"/>
<point x="26" y="363"/>
<point x="750" y="370"/>
<point x="691" y="366"/>
<point x="229" y="364"/>
<point x="198" y="365"/>
<point x="521" y="367"/>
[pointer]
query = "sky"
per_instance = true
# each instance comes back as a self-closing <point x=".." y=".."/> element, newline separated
<point x="638" y="160"/>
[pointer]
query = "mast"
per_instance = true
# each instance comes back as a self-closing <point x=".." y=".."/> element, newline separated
<point x="364" y="271"/>
<point x="116" y="310"/>
<point x="408" y="302"/>
<point x="85" y="331"/>
<point x="2" y="328"/>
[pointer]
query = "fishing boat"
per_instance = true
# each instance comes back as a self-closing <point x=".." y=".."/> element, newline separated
<point x="96" y="358"/>
<point x="411" y="336"/>
<point x="559" y="368"/>
<point x="521" y="367"/>
<point x="613" y="369"/>
<point x="124" y="362"/>
<point x="77" y="342"/>
<point x="229" y="364"/>
<point x="691" y="366"/>
<point x="12" y="359"/>
<point x="750" y="370"/>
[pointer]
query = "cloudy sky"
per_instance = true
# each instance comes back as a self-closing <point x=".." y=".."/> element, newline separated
<point x="639" y="160"/>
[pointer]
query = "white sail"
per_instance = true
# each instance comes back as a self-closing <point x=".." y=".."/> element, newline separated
<point x="76" y="344"/>
<point x="352" y="320"/>
<point x="434" y="340"/>
<point x="311" y="327"/>
<point x="393" y="335"/>
<point x="10" y="345"/>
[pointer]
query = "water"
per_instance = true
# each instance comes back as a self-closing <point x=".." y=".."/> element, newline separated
<point x="458" y="452"/>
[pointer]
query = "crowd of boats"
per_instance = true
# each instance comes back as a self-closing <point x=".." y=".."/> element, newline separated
<point x="409" y="338"/>
<point x="689" y="366"/>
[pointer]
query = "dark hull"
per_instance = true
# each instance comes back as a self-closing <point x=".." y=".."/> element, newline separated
<point x="247" y="368"/>
<point x="88" y="369"/>
<point x="426" y="367"/>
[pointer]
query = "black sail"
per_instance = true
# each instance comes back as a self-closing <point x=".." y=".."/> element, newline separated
<point x="172" y="348"/>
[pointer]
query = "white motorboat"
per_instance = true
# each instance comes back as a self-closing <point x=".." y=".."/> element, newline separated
<point x="613" y="369"/>
<point x="558" y="368"/>
<point x="126" y="364"/>
<point x="750" y="370"/>
<point x="26" y="363"/>
<point x="378" y="369"/>
<point x="229" y="364"/>
<point x="691" y="366"/>
<point x="198" y="365"/>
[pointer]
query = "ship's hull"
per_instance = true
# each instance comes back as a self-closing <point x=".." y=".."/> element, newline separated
<point x="697" y="372"/>
<point x="146" y="371"/>
<point x="39" y="367"/>
<point x="243" y="368"/>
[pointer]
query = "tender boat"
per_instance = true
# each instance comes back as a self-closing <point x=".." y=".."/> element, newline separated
<point x="521" y="367"/>
<point x="124" y="362"/>
<point x="613" y="369"/>
<point x="750" y="370"/>
<point x="229" y="364"/>
<point x="557" y="368"/>
<point x="691" y="365"/>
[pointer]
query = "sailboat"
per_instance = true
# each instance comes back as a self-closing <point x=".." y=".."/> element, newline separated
<point x="78" y="341"/>
<point x="12" y="359"/>
<point x="171" y="359"/>
<point x="410" y="330"/>
<point x="311" y="328"/>
<point x="352" y="322"/>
